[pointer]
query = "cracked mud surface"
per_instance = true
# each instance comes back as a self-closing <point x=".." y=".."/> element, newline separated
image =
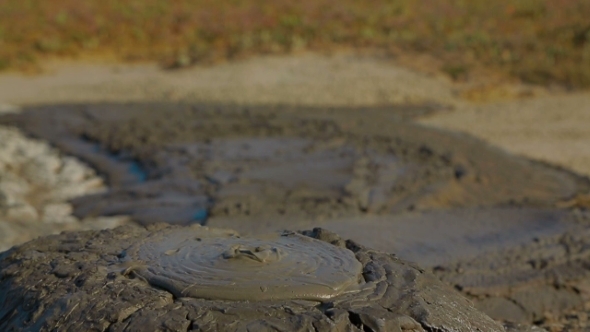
<point x="84" y="281"/>
<point x="500" y="228"/>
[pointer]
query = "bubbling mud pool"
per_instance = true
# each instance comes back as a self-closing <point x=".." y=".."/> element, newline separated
<point x="220" y="265"/>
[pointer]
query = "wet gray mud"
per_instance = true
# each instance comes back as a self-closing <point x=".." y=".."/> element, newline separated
<point x="219" y="265"/>
<point x="188" y="163"/>
<point x="484" y="221"/>
<point x="93" y="281"/>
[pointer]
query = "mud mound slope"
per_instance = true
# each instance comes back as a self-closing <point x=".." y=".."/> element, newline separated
<point x="544" y="281"/>
<point x="284" y="163"/>
<point x="132" y="278"/>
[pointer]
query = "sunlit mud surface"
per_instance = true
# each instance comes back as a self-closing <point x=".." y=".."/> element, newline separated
<point x="388" y="294"/>
<point x="211" y="264"/>
<point x="449" y="202"/>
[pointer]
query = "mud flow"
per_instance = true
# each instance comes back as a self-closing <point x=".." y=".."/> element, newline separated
<point x="447" y="201"/>
<point x="219" y="265"/>
<point x="184" y="163"/>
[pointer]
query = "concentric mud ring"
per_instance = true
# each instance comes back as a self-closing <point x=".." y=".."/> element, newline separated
<point x="219" y="265"/>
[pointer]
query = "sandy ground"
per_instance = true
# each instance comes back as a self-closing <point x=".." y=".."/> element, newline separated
<point x="305" y="80"/>
<point x="552" y="128"/>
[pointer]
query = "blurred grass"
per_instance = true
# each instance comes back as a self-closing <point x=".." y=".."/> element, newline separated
<point x="537" y="41"/>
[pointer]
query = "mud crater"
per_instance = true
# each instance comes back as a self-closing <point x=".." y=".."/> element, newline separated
<point x="91" y="289"/>
<point x="221" y="265"/>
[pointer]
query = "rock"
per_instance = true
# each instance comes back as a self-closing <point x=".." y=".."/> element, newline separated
<point x="41" y="170"/>
<point x="21" y="212"/>
<point x="133" y="278"/>
<point x="36" y="182"/>
<point x="58" y="213"/>
<point x="74" y="171"/>
<point x="66" y="191"/>
<point x="13" y="187"/>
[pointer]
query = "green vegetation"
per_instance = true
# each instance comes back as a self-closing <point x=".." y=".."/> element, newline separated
<point x="538" y="41"/>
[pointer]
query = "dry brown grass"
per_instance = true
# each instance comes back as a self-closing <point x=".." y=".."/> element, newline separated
<point x="538" y="41"/>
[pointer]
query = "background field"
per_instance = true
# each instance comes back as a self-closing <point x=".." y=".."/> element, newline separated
<point x="536" y="41"/>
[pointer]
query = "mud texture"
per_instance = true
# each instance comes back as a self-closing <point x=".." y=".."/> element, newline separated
<point x="218" y="265"/>
<point x="185" y="164"/>
<point x="87" y="281"/>
<point x="493" y="225"/>
<point x="543" y="281"/>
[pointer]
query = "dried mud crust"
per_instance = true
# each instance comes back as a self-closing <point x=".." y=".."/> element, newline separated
<point x="285" y="163"/>
<point x="545" y="281"/>
<point x="81" y="281"/>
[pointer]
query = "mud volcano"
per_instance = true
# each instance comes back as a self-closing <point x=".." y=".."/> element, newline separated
<point x="198" y="279"/>
<point x="220" y="265"/>
<point x="460" y="207"/>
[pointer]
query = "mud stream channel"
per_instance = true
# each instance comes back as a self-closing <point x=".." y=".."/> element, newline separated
<point x="487" y="222"/>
